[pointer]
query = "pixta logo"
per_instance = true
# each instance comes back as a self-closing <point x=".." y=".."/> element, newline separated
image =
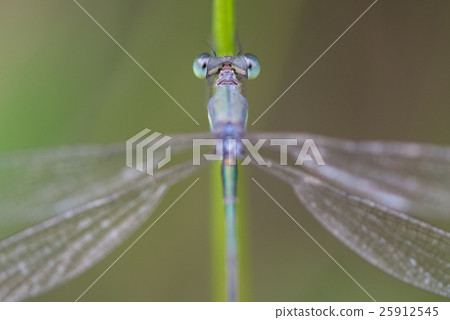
<point x="143" y="148"/>
<point x="144" y="153"/>
<point x="308" y="151"/>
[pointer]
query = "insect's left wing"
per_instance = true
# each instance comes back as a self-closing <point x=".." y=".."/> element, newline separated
<point x="40" y="183"/>
<point x="91" y="204"/>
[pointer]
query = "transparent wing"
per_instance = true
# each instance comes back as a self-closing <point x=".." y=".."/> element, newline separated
<point x="38" y="184"/>
<point x="397" y="243"/>
<point x="409" y="177"/>
<point x="84" y="225"/>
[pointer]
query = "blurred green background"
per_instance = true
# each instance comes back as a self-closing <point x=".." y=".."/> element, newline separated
<point x="63" y="82"/>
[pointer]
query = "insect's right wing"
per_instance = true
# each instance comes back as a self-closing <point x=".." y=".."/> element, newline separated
<point x="87" y="203"/>
<point x="368" y="194"/>
<point x="409" y="177"/>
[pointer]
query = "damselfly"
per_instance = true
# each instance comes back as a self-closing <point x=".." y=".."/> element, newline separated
<point x="370" y="195"/>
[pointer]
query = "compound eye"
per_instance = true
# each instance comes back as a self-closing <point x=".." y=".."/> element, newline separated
<point x="253" y="66"/>
<point x="200" y="65"/>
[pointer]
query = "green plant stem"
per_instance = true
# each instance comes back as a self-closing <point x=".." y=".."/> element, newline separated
<point x="223" y="36"/>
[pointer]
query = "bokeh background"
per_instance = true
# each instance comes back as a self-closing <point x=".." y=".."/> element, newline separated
<point x="64" y="82"/>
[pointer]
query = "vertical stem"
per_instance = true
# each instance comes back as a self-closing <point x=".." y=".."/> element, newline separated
<point x="218" y="277"/>
<point x="224" y="230"/>
<point x="223" y="27"/>
<point x="229" y="180"/>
